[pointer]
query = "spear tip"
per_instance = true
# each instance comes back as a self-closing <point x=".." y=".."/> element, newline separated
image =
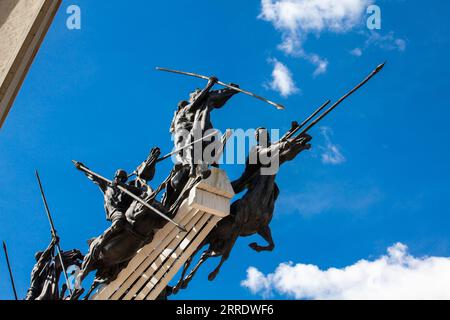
<point x="75" y="163"/>
<point x="381" y="66"/>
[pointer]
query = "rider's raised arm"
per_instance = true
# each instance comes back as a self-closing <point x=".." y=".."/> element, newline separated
<point x="45" y="256"/>
<point x="218" y="98"/>
<point x="101" y="184"/>
<point x="200" y="99"/>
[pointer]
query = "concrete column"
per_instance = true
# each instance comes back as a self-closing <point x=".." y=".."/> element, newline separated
<point x="23" y="25"/>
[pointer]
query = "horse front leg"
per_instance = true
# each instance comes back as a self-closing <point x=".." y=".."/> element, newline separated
<point x="266" y="234"/>
<point x="205" y="256"/>
<point x="187" y="264"/>
<point x="225" y="255"/>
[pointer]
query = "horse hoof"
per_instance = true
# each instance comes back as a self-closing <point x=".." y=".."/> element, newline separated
<point x="254" y="246"/>
<point x="175" y="290"/>
<point x="212" y="276"/>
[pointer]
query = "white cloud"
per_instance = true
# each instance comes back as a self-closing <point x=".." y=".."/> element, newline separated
<point x="297" y="19"/>
<point x="396" y="275"/>
<point x="320" y="63"/>
<point x="331" y="154"/>
<point x="257" y="283"/>
<point x="282" y="81"/>
<point x="387" y="42"/>
<point x="357" y="52"/>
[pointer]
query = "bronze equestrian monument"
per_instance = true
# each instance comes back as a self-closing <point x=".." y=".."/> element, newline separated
<point x="158" y="229"/>
<point x="152" y="238"/>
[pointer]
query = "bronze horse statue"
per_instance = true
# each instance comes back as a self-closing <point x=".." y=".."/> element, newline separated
<point x="111" y="257"/>
<point x="112" y="253"/>
<point x="252" y="213"/>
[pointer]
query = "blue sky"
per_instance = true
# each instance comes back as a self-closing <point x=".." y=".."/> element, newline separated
<point x="93" y="95"/>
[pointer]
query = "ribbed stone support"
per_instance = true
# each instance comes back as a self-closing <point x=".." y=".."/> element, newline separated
<point x="149" y="272"/>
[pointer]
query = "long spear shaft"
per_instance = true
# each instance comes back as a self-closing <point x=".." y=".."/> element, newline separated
<point x="186" y="146"/>
<point x="315" y="113"/>
<point x="10" y="271"/>
<point x="53" y="230"/>
<point x="191" y="74"/>
<point x="323" y="115"/>
<point x="132" y="195"/>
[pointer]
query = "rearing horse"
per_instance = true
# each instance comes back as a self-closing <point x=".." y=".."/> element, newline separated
<point x="252" y="213"/>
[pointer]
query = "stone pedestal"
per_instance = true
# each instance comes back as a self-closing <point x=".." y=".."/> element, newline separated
<point x="23" y="25"/>
<point x="149" y="272"/>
